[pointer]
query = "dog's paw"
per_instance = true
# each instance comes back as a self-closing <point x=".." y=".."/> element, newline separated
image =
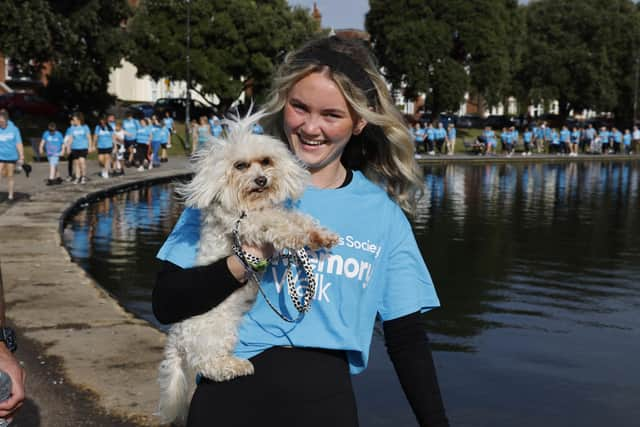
<point x="323" y="239"/>
<point x="227" y="368"/>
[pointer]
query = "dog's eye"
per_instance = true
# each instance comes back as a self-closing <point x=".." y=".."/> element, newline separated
<point x="266" y="161"/>
<point x="241" y="165"/>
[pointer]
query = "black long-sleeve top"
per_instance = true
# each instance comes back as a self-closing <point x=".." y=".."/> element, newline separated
<point x="182" y="293"/>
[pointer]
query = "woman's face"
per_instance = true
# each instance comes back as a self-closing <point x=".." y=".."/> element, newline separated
<point x="318" y="122"/>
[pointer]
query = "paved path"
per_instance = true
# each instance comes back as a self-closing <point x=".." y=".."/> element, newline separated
<point x="88" y="362"/>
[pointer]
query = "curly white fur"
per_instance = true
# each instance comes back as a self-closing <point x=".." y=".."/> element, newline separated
<point x="249" y="173"/>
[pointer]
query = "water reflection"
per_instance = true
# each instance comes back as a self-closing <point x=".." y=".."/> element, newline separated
<point x="537" y="267"/>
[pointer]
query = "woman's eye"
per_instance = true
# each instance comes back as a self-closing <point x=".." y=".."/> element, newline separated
<point x="266" y="161"/>
<point x="241" y="165"/>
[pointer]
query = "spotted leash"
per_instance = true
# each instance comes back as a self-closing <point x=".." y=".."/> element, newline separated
<point x="255" y="265"/>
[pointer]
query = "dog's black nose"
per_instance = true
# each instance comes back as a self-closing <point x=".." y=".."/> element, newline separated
<point x="261" y="181"/>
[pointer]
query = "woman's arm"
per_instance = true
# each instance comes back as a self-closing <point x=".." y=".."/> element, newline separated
<point x="181" y="293"/>
<point x="408" y="346"/>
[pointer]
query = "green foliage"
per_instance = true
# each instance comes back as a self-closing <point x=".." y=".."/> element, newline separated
<point x="582" y="53"/>
<point x="233" y="42"/>
<point x="445" y="48"/>
<point x="83" y="40"/>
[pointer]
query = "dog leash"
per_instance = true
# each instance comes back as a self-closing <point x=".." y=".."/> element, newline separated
<point x="255" y="265"/>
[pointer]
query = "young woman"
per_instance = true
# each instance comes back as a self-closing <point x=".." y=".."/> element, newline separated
<point x="333" y="109"/>
<point x="451" y="139"/>
<point x="78" y="136"/>
<point x="103" y="140"/>
<point x="51" y="143"/>
<point x="11" y="151"/>
<point x="143" y="139"/>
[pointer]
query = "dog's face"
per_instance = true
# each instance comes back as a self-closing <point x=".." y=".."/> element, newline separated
<point x="246" y="172"/>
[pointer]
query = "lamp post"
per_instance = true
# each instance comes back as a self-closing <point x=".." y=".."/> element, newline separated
<point x="187" y="115"/>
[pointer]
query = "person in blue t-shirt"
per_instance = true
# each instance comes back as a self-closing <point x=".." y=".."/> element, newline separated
<point x="604" y="135"/>
<point x="375" y="271"/>
<point x="507" y="142"/>
<point x="130" y="127"/>
<point x="565" y="139"/>
<point x="554" y="142"/>
<point x="11" y="152"/>
<point x="159" y="137"/>
<point x="103" y="141"/>
<point x="203" y="134"/>
<point x="527" y="139"/>
<point x="143" y="144"/>
<point x="626" y="140"/>
<point x="216" y="128"/>
<point x="430" y="133"/>
<point x="490" y="140"/>
<point x="168" y="123"/>
<point x="78" y="137"/>
<point x="51" y="143"/>
<point x="616" y="138"/>
<point x="575" y="141"/>
<point x="451" y="139"/>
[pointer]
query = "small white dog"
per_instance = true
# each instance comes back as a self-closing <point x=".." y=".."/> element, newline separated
<point x="245" y="174"/>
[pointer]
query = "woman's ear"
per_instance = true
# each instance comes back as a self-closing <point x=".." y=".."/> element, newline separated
<point x="360" y="124"/>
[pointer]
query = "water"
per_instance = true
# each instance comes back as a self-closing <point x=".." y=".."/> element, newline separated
<point x="537" y="267"/>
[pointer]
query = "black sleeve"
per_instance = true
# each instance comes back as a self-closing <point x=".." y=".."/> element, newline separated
<point x="408" y="346"/>
<point x="181" y="293"/>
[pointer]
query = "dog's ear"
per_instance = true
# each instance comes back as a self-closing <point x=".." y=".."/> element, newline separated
<point x="209" y="177"/>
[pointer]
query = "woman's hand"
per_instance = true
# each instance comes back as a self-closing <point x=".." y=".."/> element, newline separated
<point x="237" y="266"/>
<point x="10" y="365"/>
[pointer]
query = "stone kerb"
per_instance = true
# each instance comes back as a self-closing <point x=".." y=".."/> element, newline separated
<point x="52" y="301"/>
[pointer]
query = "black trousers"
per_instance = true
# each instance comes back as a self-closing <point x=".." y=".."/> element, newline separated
<point x="290" y="387"/>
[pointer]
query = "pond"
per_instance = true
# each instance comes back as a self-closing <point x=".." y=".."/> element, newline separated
<point x="538" y="271"/>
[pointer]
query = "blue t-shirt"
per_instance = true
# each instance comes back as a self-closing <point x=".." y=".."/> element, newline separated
<point x="9" y="140"/>
<point x="604" y="136"/>
<point x="590" y="133"/>
<point x="575" y="136"/>
<point x="452" y="134"/>
<point x="565" y="135"/>
<point x="490" y="137"/>
<point x="216" y="130"/>
<point x="53" y="143"/>
<point x="257" y="129"/>
<point x="105" y="137"/>
<point x="431" y="134"/>
<point x="168" y="123"/>
<point x="526" y="136"/>
<point x="130" y="127"/>
<point x="142" y="136"/>
<point x="554" y="138"/>
<point x="160" y="134"/>
<point x="627" y="139"/>
<point x="375" y="270"/>
<point x="419" y="134"/>
<point x="617" y="136"/>
<point x="80" y="135"/>
<point x="440" y="133"/>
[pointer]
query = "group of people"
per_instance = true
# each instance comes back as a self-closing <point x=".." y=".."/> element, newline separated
<point x="542" y="138"/>
<point x="128" y="143"/>
<point x="206" y="128"/>
<point x="429" y="139"/>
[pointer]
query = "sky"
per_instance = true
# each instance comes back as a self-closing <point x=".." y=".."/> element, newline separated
<point x="338" y="14"/>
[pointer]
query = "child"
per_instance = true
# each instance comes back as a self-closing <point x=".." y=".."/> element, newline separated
<point x="119" y="150"/>
<point x="52" y="140"/>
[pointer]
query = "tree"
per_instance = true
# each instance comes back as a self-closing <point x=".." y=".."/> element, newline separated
<point x="234" y="43"/>
<point x="582" y="54"/>
<point x="445" y="48"/>
<point x="82" y="40"/>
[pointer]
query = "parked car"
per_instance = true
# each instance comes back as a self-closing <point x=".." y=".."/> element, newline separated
<point x="177" y="108"/>
<point x="469" y="121"/>
<point x="20" y="103"/>
<point x="140" y="110"/>
<point x="499" y="122"/>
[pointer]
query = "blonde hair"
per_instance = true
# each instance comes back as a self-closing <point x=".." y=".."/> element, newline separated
<point x="384" y="150"/>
